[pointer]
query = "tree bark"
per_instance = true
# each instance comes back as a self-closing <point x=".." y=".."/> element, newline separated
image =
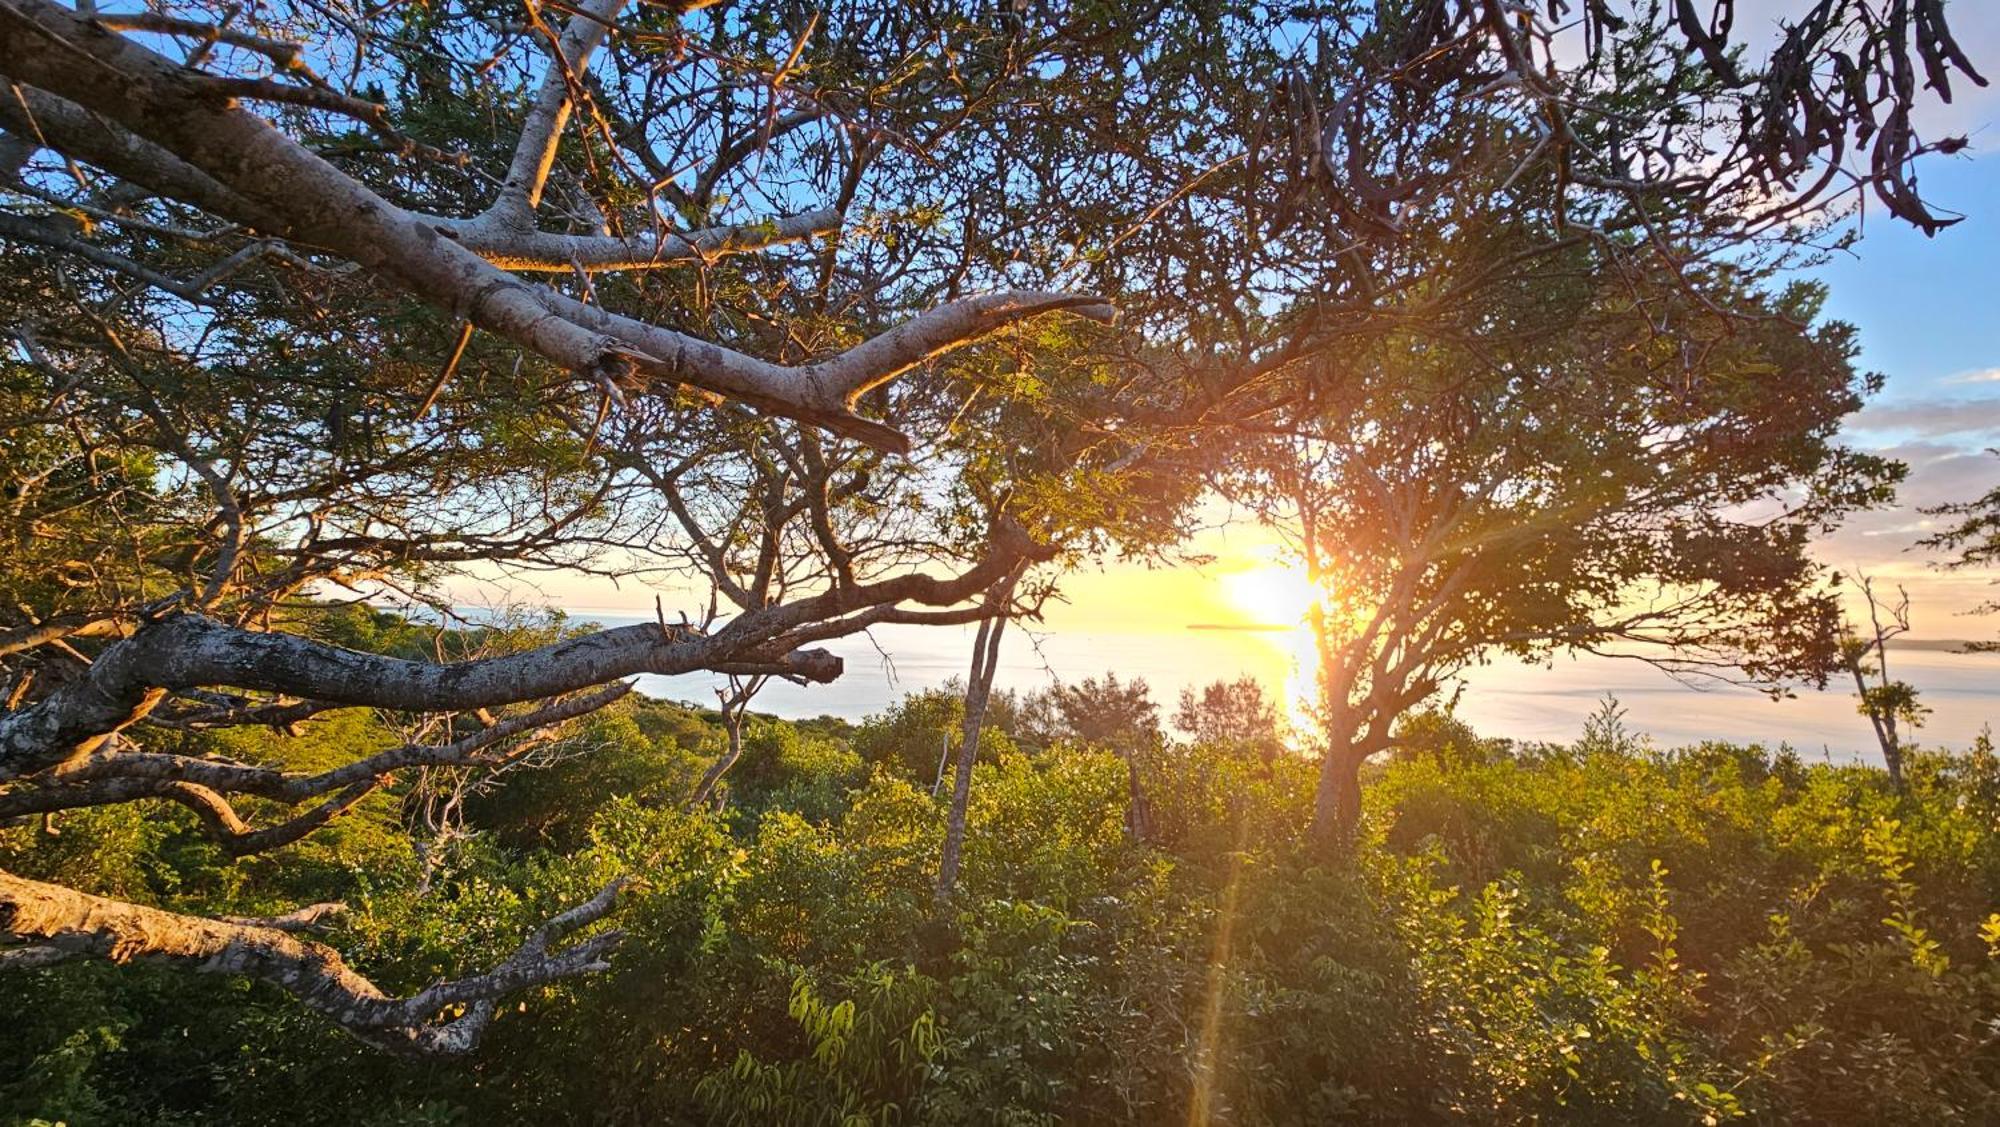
<point x="54" y="924"/>
<point x="978" y="690"/>
<point x="1337" y="801"/>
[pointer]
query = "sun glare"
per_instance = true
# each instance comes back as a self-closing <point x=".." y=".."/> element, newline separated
<point x="1276" y="597"/>
<point x="1270" y="595"/>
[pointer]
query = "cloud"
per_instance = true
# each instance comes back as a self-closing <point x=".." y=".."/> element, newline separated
<point x="1939" y="475"/>
<point x="1931" y="418"/>
<point x="1982" y="375"/>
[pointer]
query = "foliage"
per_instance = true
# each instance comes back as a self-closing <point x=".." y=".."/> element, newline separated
<point x="1593" y="932"/>
<point x="1228" y="713"/>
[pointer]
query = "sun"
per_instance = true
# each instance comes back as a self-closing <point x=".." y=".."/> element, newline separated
<point x="1274" y="598"/>
<point x="1271" y="594"/>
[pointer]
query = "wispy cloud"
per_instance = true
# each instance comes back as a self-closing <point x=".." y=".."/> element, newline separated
<point x="1982" y="375"/>
<point x="1939" y="475"/>
<point x="1931" y="418"/>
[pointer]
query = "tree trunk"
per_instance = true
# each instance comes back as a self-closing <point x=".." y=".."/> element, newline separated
<point x="735" y="700"/>
<point x="1337" y="802"/>
<point x="979" y="687"/>
<point x="1883" y="723"/>
<point x="703" y="791"/>
<point x="1138" y="819"/>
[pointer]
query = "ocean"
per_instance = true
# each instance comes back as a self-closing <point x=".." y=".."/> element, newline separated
<point x="1506" y="698"/>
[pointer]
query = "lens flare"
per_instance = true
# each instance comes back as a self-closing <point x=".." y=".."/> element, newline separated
<point x="1270" y="595"/>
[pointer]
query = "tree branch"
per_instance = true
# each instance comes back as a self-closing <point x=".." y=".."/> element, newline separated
<point x="517" y="248"/>
<point x="123" y="776"/>
<point x="541" y="133"/>
<point x="57" y="923"/>
<point x="190" y="651"/>
<point x="177" y="110"/>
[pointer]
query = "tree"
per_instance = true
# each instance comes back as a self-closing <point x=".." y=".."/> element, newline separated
<point x="1231" y="714"/>
<point x="367" y="343"/>
<point x="1440" y="736"/>
<point x="184" y="134"/>
<point x="1108" y="713"/>
<point x="1116" y="716"/>
<point x="1635" y="486"/>
<point x="1890" y="705"/>
<point x="1411" y="237"/>
<point x="913" y="737"/>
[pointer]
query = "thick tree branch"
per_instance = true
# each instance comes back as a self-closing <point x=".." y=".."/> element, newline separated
<point x="77" y="132"/>
<point x="55" y="923"/>
<point x="308" y="199"/>
<point x="824" y="393"/>
<point x="189" y="651"/>
<point x="516" y="248"/>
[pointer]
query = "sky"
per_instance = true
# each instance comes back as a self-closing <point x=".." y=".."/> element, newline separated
<point x="1929" y="313"/>
<point x="1926" y="310"/>
<point x="1929" y="323"/>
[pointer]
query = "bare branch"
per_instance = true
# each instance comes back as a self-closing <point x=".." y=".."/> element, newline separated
<point x="57" y="923"/>
<point x="530" y="250"/>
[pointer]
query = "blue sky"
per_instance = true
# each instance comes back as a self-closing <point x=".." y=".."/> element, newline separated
<point x="1929" y="321"/>
<point x="1926" y="305"/>
<point x="1927" y="312"/>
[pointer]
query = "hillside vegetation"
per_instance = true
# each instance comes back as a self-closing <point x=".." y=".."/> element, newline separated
<point x="1594" y="932"/>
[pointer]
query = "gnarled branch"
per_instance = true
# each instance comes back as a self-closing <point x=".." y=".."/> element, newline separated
<point x="54" y="923"/>
<point x="189" y="138"/>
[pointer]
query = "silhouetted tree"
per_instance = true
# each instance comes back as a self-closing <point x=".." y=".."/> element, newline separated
<point x="1231" y="714"/>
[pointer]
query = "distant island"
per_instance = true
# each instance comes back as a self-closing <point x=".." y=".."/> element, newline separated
<point x="1251" y="627"/>
<point x="1927" y="645"/>
<point x="1933" y="645"/>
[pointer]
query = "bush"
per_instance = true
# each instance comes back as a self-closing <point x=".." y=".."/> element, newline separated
<point x="1592" y="933"/>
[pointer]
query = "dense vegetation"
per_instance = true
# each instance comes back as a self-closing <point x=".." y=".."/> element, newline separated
<point x="809" y="319"/>
<point x="1592" y="932"/>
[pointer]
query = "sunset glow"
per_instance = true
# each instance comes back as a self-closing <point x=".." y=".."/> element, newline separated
<point x="958" y="563"/>
<point x="1270" y="594"/>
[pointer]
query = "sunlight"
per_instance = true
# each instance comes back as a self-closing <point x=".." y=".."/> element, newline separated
<point x="1275" y="596"/>
<point x="1271" y="594"/>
